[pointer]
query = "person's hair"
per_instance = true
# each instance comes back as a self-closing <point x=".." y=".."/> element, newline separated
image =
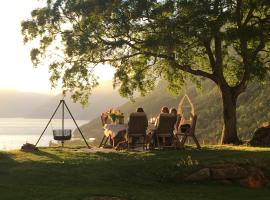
<point x="139" y="109"/>
<point x="165" y="109"/>
<point x="173" y="111"/>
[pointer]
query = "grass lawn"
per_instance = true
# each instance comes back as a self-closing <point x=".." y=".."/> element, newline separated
<point x="52" y="173"/>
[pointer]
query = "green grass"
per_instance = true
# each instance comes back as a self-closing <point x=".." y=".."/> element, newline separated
<point x="71" y="174"/>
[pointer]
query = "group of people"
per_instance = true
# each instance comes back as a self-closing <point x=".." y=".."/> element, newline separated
<point x="164" y="110"/>
<point x="168" y="124"/>
<point x="151" y="135"/>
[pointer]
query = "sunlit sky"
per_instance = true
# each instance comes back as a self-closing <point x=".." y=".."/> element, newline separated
<point x="17" y="72"/>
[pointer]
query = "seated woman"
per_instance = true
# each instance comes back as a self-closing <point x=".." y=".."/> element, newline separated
<point x="164" y="110"/>
<point x="164" y="126"/>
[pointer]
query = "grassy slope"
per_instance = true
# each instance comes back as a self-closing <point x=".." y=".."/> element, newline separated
<point x="69" y="175"/>
<point x="253" y="108"/>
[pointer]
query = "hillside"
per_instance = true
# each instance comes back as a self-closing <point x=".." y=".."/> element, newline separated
<point x="253" y="109"/>
<point x="18" y="104"/>
<point x="103" y="96"/>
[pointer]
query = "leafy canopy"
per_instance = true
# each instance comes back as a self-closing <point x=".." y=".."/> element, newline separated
<point x="226" y="41"/>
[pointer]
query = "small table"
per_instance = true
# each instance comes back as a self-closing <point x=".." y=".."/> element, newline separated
<point x="111" y="130"/>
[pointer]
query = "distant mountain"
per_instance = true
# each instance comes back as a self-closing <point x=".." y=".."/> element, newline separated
<point x="19" y="104"/>
<point x="30" y="105"/>
<point x="253" y="109"/>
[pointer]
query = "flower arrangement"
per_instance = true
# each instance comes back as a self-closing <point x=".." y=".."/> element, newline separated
<point x="114" y="114"/>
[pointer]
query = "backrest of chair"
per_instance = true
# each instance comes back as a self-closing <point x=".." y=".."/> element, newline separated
<point x="177" y="123"/>
<point x="137" y="123"/>
<point x="193" y="124"/>
<point x="166" y="123"/>
<point x="104" y="119"/>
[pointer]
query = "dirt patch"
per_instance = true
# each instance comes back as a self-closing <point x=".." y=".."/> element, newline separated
<point x="104" y="198"/>
<point x="102" y="150"/>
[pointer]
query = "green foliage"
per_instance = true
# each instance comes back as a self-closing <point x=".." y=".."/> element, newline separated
<point x="226" y="41"/>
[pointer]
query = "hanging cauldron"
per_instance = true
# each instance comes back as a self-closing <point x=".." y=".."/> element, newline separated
<point x="59" y="134"/>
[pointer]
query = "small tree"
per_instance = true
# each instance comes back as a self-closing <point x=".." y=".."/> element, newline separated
<point x="226" y="41"/>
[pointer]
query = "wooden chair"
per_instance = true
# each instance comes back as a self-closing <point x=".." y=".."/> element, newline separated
<point x="137" y="126"/>
<point x="164" y="130"/>
<point x="190" y="132"/>
<point x="104" y="120"/>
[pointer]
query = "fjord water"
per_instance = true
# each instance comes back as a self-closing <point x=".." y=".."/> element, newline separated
<point x="16" y="131"/>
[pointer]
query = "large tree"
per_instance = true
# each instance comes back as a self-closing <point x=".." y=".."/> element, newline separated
<point x="226" y="41"/>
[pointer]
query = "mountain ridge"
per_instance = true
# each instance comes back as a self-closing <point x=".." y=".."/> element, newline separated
<point x="16" y="104"/>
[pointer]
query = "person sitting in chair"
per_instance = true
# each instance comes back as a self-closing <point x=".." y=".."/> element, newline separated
<point x="140" y="109"/>
<point x="164" y="113"/>
<point x="164" y="110"/>
<point x="143" y="124"/>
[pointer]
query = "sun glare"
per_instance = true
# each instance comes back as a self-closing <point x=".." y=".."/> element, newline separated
<point x="17" y="72"/>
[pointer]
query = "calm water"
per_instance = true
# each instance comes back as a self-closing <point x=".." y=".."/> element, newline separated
<point x="16" y="131"/>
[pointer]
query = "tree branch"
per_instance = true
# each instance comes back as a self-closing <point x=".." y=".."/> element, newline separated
<point x="239" y="16"/>
<point x="166" y="57"/>
<point x="195" y="72"/>
<point x="248" y="17"/>
<point x="210" y="54"/>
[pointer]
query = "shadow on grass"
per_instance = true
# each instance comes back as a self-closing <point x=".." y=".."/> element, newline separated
<point x="6" y="158"/>
<point x="46" y="154"/>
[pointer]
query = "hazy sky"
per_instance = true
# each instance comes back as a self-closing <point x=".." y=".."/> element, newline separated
<point x="17" y="72"/>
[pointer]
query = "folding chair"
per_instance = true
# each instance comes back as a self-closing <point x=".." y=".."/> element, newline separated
<point x="189" y="132"/>
<point x="104" y="120"/>
<point x="137" y="126"/>
<point x="164" y="130"/>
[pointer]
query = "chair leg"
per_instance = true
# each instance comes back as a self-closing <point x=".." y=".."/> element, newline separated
<point x="173" y="143"/>
<point x="128" y="142"/>
<point x="158" y="144"/>
<point x="196" y="141"/>
<point x="144" y="139"/>
<point x="183" y="140"/>
<point x="178" y="141"/>
<point x="106" y="140"/>
<point x="164" y="141"/>
<point x="143" y="142"/>
<point x="112" y="142"/>
<point x="101" y="143"/>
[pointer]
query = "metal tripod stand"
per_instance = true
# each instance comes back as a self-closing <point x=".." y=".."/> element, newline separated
<point x="64" y="105"/>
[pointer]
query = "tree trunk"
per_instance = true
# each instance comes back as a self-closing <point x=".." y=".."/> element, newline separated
<point x="229" y="132"/>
